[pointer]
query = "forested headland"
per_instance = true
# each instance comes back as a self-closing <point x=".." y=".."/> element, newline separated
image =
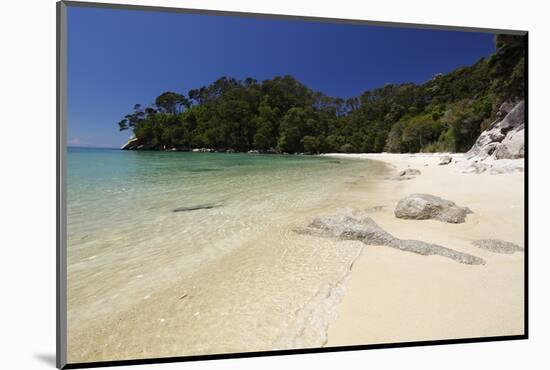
<point x="282" y="115"/>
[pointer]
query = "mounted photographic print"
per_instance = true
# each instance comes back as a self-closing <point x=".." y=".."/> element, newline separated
<point x="235" y="184"/>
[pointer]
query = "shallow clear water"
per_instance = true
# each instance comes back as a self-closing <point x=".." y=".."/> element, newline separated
<point x="147" y="228"/>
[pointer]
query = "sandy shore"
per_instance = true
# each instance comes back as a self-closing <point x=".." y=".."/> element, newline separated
<point x="394" y="296"/>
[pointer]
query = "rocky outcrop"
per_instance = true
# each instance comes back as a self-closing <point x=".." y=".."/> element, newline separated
<point x="367" y="231"/>
<point x="504" y="138"/>
<point x="426" y="206"/>
<point x="131" y="144"/>
<point x="134" y="144"/>
<point x="513" y="145"/>
<point x="497" y="246"/>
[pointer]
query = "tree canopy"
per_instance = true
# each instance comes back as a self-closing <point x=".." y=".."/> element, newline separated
<point x="446" y="113"/>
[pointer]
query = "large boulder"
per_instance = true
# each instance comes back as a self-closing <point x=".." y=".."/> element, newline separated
<point x="504" y="138"/>
<point x="426" y="206"/>
<point x="368" y="232"/>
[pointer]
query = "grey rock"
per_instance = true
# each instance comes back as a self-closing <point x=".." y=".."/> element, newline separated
<point x="446" y="159"/>
<point x="410" y="172"/>
<point x="513" y="145"/>
<point x="426" y="206"/>
<point x="497" y="246"/>
<point x="504" y="138"/>
<point x="504" y="109"/>
<point x="368" y="232"/>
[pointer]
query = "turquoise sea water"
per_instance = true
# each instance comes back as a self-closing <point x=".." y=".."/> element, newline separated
<point x="142" y="223"/>
<point x="108" y="187"/>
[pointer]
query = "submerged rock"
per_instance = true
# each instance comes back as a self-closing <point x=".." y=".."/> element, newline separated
<point x="368" y="232"/>
<point x="197" y="207"/>
<point x="426" y="206"/>
<point x="497" y="246"/>
<point x="410" y="172"/>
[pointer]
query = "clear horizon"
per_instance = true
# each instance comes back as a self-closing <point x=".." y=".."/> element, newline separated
<point x="117" y="58"/>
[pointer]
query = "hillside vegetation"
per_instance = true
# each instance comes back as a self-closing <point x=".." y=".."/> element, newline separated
<point x="446" y="113"/>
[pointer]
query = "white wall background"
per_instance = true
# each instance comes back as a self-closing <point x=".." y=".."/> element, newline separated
<point x="27" y="181"/>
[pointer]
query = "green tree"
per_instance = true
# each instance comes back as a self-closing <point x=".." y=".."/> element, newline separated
<point x="447" y="112"/>
<point x="171" y="102"/>
<point x="312" y="144"/>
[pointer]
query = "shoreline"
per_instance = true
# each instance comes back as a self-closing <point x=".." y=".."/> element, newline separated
<point x="283" y="290"/>
<point x="394" y="296"/>
<point x="254" y="284"/>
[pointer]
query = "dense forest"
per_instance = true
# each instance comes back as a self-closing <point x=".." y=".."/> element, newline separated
<point x="282" y="115"/>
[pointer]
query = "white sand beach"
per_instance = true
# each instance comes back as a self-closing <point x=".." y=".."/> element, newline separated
<point x="395" y="296"/>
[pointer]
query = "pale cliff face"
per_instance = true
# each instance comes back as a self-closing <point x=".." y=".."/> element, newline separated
<point x="505" y="138"/>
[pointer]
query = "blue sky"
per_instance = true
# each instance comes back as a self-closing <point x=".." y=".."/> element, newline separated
<point x="117" y="58"/>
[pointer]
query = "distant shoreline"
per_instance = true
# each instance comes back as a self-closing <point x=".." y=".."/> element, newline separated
<point x="328" y="154"/>
<point x="91" y="147"/>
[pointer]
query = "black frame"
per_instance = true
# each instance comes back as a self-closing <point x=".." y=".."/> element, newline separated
<point x="61" y="270"/>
